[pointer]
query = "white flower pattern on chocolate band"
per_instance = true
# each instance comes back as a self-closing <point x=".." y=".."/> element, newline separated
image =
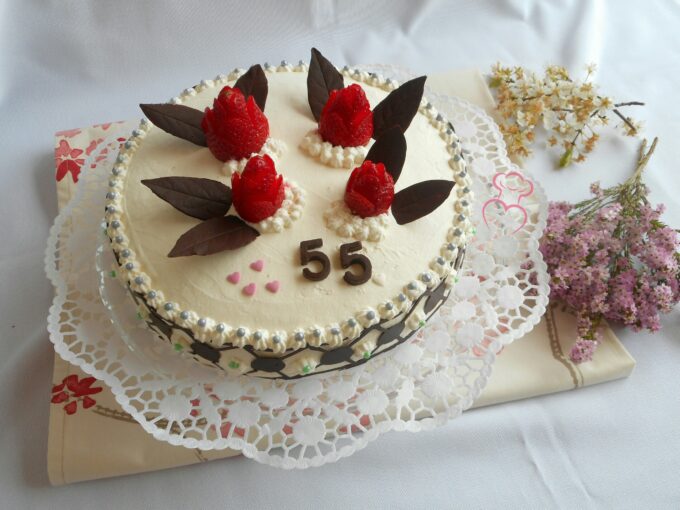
<point x="207" y="330"/>
<point x="332" y="155"/>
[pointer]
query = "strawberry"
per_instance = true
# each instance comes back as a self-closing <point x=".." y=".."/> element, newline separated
<point x="370" y="190"/>
<point x="234" y="127"/>
<point x="347" y="119"/>
<point x="257" y="192"/>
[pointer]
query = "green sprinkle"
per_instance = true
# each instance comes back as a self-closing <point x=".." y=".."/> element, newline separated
<point x="234" y="364"/>
<point x="306" y="369"/>
<point x="421" y="323"/>
<point x="456" y="279"/>
<point x="178" y="347"/>
<point x="474" y="230"/>
<point x="104" y="232"/>
<point x="112" y="274"/>
<point x="367" y="354"/>
<point x="139" y="315"/>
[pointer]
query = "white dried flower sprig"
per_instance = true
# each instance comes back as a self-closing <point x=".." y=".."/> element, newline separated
<point x="571" y="111"/>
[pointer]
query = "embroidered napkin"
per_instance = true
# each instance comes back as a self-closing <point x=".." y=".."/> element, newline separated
<point x="83" y="410"/>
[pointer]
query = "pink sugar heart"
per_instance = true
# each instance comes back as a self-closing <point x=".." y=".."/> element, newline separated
<point x="258" y="265"/>
<point x="273" y="286"/>
<point x="249" y="289"/>
<point x="234" y="277"/>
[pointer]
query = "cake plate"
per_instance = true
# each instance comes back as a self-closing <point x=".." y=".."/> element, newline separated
<point x="499" y="295"/>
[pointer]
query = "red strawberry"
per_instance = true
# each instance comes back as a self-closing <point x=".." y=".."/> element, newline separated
<point x="258" y="191"/>
<point x="370" y="190"/>
<point x="234" y="127"/>
<point x="347" y="118"/>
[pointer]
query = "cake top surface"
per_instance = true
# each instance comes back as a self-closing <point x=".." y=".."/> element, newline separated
<point x="260" y="287"/>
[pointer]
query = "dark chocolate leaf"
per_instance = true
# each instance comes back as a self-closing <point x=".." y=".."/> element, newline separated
<point x="420" y="200"/>
<point x="254" y="83"/>
<point x="213" y="236"/>
<point x="390" y="150"/>
<point x="321" y="79"/>
<point x="199" y="198"/>
<point x="399" y="107"/>
<point x="178" y="120"/>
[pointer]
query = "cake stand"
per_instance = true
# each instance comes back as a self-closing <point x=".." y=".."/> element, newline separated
<point x="500" y="294"/>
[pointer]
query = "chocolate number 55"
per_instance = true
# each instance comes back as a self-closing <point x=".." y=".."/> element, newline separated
<point x="348" y="257"/>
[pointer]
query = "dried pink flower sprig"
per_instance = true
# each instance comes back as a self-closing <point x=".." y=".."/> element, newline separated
<point x="611" y="258"/>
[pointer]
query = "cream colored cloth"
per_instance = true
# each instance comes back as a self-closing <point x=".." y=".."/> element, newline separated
<point x="101" y="440"/>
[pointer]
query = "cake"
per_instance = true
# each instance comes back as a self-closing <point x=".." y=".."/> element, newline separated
<point x="290" y="220"/>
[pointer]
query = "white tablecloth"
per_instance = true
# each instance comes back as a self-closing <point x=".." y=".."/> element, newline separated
<point x="67" y="64"/>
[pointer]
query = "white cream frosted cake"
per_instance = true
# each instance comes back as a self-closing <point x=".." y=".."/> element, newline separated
<point x="291" y="220"/>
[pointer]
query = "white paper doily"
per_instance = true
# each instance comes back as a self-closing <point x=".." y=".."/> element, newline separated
<point x="500" y="295"/>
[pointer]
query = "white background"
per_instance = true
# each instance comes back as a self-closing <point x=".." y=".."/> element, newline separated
<point x="69" y="64"/>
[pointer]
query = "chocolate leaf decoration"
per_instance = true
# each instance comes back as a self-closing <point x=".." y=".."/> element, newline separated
<point x="178" y="120"/>
<point x="254" y="83"/>
<point x="199" y="198"/>
<point x="420" y="200"/>
<point x="390" y="150"/>
<point x="213" y="236"/>
<point x="321" y="79"/>
<point x="399" y="107"/>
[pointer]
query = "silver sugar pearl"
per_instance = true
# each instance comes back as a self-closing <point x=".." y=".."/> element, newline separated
<point x="119" y="239"/>
<point x="351" y="323"/>
<point x="184" y="315"/>
<point x="111" y="195"/>
<point x="389" y="306"/>
<point x="240" y="332"/>
<point x="441" y="261"/>
<point x="301" y="63"/>
<point x="112" y="183"/>
<point x="276" y="338"/>
<point x="151" y="294"/>
<point x="456" y="158"/>
<point x="129" y="266"/>
<point x="464" y="203"/>
<point x="411" y="286"/>
<point x="451" y="247"/>
<point x="428" y="106"/>
<point x="401" y="298"/>
<point x="220" y="328"/>
<point x="121" y="159"/>
<point x="449" y="131"/>
<point x="345" y="68"/>
<point x="115" y="224"/>
<point x="168" y="306"/>
<point x="136" y="132"/>
<point x="267" y="65"/>
<point x="439" y="117"/>
<point x="458" y="232"/>
<point x="128" y="144"/>
<point x="257" y="335"/>
<point x="115" y="171"/>
<point x="299" y="336"/>
<point x="139" y="280"/>
<point x="284" y="63"/>
<point x="317" y="332"/>
<point x="461" y="217"/>
<point x="125" y="253"/>
<point x="426" y="277"/>
<point x="370" y="315"/>
<point x="335" y="331"/>
<point x="202" y="322"/>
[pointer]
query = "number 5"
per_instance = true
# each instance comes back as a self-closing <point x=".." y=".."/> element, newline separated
<point x="349" y="258"/>
<point x="307" y="256"/>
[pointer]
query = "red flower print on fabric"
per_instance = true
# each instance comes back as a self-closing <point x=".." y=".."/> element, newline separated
<point x="67" y="161"/>
<point x="73" y="390"/>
